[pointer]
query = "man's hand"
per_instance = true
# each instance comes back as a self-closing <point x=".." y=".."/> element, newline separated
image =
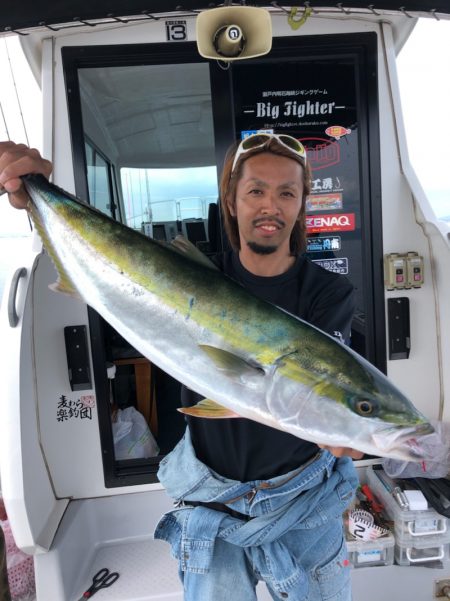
<point x="17" y="160"/>
<point x="343" y="451"/>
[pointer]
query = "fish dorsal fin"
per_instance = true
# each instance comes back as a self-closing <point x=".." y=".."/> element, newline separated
<point x="231" y="363"/>
<point x="208" y="409"/>
<point x="186" y="248"/>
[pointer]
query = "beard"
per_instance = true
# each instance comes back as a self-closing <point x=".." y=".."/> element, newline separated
<point x="264" y="249"/>
<point x="261" y="249"/>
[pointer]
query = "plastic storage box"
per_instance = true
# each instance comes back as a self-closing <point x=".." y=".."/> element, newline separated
<point x="410" y="527"/>
<point x="421" y="551"/>
<point x="379" y="552"/>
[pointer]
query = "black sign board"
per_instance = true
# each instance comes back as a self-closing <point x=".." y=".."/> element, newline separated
<point x="318" y="100"/>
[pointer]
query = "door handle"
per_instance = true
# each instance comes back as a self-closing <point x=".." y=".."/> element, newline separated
<point x="12" y="313"/>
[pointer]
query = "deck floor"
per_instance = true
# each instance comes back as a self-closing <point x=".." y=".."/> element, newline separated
<point x="146" y="572"/>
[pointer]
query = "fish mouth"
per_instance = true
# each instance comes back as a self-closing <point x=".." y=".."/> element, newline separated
<point x="404" y="438"/>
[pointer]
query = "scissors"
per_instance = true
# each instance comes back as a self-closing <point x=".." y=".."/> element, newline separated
<point x="102" y="579"/>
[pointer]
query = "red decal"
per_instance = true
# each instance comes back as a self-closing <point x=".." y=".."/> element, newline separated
<point x="330" y="223"/>
<point x="88" y="400"/>
<point x="337" y="131"/>
<point x="322" y="152"/>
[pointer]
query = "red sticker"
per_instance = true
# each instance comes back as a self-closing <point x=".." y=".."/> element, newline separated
<point x="322" y="152"/>
<point x="330" y="223"/>
<point x="88" y="400"/>
<point x="337" y="131"/>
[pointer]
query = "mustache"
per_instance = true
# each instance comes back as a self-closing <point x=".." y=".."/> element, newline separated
<point x="260" y="220"/>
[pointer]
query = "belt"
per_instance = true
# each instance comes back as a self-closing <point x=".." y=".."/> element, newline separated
<point x="220" y="507"/>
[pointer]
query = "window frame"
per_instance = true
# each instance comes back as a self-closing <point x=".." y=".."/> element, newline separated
<point x="116" y="209"/>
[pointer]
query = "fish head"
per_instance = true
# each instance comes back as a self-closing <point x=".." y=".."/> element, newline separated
<point x="383" y="418"/>
<point x="391" y="423"/>
<point x="350" y="403"/>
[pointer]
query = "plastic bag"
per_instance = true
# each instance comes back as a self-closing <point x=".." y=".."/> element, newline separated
<point x="132" y="436"/>
<point x="20" y="568"/>
<point x="436" y="449"/>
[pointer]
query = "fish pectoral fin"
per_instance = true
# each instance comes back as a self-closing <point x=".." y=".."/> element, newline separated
<point x="181" y="245"/>
<point x="234" y="365"/>
<point x="208" y="409"/>
<point x="290" y="365"/>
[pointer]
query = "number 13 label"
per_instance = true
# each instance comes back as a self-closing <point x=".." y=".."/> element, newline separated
<point x="176" y="31"/>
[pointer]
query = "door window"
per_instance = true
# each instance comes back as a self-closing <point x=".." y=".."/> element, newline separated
<point x="322" y="100"/>
<point x="152" y="125"/>
<point x="100" y="176"/>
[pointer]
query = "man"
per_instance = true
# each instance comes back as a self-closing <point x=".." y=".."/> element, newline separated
<point x="255" y="503"/>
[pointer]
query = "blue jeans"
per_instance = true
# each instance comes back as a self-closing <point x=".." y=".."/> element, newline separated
<point x="294" y="541"/>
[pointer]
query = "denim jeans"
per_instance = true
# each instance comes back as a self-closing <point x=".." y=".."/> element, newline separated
<point x="294" y="541"/>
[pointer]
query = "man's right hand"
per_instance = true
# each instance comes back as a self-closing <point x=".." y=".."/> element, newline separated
<point x="17" y="160"/>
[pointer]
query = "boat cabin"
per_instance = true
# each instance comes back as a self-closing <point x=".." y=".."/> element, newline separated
<point x="137" y="122"/>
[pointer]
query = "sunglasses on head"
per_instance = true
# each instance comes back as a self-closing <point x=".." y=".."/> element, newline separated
<point x="258" y="140"/>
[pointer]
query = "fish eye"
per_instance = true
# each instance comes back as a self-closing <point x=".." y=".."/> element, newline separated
<point x="365" y="407"/>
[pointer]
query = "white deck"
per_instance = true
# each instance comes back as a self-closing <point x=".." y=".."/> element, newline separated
<point x="116" y="533"/>
<point x="146" y="572"/>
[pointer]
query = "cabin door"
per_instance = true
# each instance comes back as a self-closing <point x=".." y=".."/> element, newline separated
<point x="150" y="128"/>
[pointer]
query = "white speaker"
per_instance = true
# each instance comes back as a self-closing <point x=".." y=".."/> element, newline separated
<point x="234" y="33"/>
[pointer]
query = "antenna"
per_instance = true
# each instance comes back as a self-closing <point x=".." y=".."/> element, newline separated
<point x="4" y="120"/>
<point x="17" y="94"/>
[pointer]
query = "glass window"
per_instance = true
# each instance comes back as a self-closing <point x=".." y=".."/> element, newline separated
<point x="325" y="111"/>
<point x="155" y="125"/>
<point x="152" y="125"/>
<point x="99" y="181"/>
<point x="165" y="195"/>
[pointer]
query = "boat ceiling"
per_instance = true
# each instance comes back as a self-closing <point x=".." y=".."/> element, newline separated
<point x="27" y="14"/>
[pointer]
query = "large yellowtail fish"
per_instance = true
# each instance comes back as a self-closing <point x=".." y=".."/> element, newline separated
<point x="252" y="359"/>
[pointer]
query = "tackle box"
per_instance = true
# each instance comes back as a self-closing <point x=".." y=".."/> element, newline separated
<point x="421" y="551"/>
<point x="378" y="552"/>
<point x="410" y="527"/>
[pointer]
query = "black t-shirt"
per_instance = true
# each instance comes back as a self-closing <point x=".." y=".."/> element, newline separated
<point x="245" y="450"/>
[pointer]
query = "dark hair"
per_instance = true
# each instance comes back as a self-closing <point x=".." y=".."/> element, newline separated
<point x="228" y="184"/>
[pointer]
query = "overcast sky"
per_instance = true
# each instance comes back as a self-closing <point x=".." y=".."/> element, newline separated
<point x="424" y="74"/>
<point x="22" y="86"/>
